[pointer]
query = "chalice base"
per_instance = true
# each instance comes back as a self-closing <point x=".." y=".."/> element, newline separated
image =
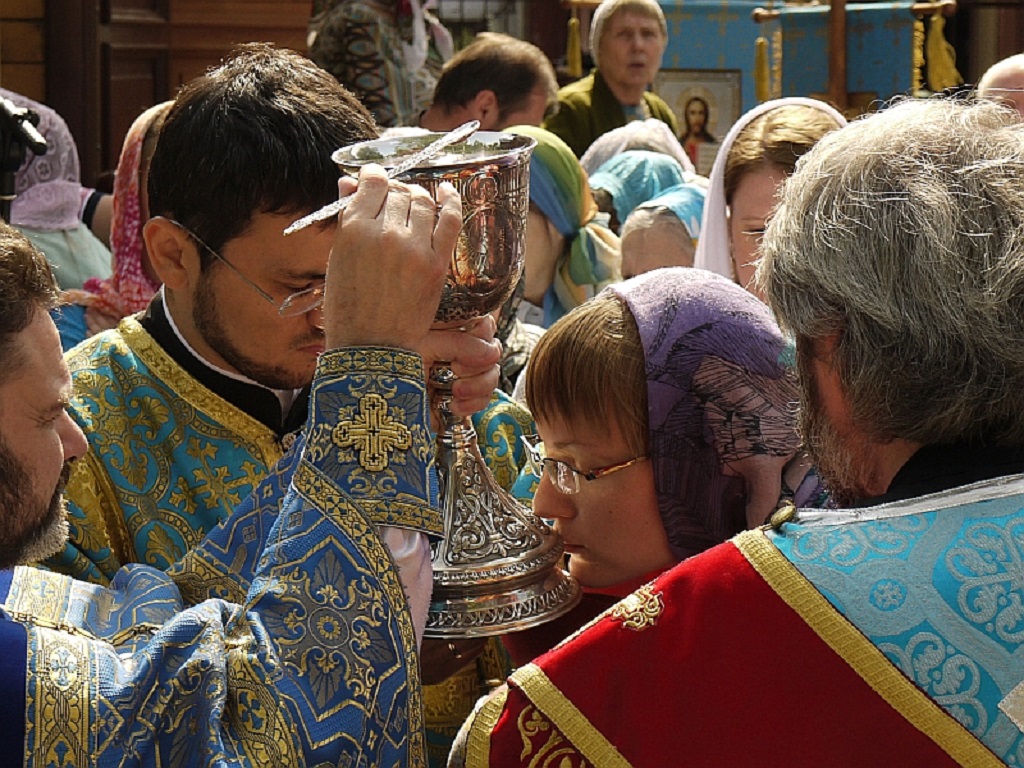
<point x="498" y="567"/>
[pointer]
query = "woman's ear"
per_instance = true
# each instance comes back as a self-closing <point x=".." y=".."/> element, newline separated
<point x="172" y="253"/>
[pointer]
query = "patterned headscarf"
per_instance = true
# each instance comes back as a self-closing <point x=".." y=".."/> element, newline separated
<point x="635" y="176"/>
<point x="714" y="252"/>
<point x="559" y="188"/>
<point x="129" y="289"/>
<point x="48" y="187"/>
<point x="719" y="394"/>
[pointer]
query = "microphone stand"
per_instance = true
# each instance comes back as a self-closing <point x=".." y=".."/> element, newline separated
<point x="17" y="134"/>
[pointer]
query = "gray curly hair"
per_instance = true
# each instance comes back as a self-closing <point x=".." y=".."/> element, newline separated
<point x="903" y="234"/>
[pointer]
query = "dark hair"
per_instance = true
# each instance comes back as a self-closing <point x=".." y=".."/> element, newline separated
<point x="254" y="135"/>
<point x="26" y="286"/>
<point x="512" y="68"/>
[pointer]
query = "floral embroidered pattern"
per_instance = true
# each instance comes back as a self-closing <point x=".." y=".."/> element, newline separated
<point x="640" y="610"/>
<point x="544" y="746"/>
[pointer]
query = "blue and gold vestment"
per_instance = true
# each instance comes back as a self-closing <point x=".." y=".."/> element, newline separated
<point x="170" y="458"/>
<point x="317" y="661"/>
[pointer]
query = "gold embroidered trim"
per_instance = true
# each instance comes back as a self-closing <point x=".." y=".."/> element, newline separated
<point x="39" y="597"/>
<point x="640" y="610"/>
<point x="374" y="433"/>
<point x="860" y="653"/>
<point x="370" y="361"/>
<point x="478" y="746"/>
<point x="59" y="696"/>
<point x="573" y="724"/>
<point x="164" y="369"/>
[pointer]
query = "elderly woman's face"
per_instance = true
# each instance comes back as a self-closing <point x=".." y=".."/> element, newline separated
<point x="611" y="528"/>
<point x="630" y="49"/>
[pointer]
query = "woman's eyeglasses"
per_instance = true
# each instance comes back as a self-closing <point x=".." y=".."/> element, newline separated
<point x="565" y="477"/>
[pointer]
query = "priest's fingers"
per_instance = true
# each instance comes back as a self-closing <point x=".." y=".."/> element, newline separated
<point x="384" y="278"/>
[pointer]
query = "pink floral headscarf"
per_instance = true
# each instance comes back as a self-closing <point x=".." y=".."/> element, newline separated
<point x="129" y="288"/>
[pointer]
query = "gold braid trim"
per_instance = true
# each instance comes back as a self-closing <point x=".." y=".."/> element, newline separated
<point x="164" y="369"/>
<point x="90" y="478"/>
<point x="573" y="724"/>
<point x="478" y="747"/>
<point x="860" y="653"/>
<point x="62" y="695"/>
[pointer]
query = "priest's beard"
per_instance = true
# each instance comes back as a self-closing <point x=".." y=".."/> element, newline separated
<point x="214" y="330"/>
<point x="30" y="529"/>
<point x="836" y="458"/>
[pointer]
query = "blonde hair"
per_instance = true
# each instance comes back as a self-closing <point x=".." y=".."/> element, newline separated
<point x="778" y="138"/>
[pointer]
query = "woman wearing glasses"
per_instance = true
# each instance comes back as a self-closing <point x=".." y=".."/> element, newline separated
<point x="666" y="421"/>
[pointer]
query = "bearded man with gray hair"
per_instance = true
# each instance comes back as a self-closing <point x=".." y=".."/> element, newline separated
<point x="890" y="631"/>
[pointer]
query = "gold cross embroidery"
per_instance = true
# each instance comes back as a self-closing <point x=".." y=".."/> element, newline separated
<point x="372" y="433"/>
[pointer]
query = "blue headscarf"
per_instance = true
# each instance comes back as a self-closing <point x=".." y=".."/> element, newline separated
<point x="686" y="201"/>
<point x="559" y="189"/>
<point x="635" y="176"/>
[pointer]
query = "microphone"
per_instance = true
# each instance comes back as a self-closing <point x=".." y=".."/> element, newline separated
<point x="22" y="123"/>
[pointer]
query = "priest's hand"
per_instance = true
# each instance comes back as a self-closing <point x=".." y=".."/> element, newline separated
<point x="473" y="354"/>
<point x="388" y="263"/>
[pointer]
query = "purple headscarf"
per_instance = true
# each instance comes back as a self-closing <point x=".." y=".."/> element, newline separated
<point x="49" y="192"/>
<point x="720" y="401"/>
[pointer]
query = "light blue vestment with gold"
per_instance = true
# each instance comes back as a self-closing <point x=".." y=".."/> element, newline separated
<point x="303" y="649"/>
<point x="937" y="584"/>
<point x="169" y="459"/>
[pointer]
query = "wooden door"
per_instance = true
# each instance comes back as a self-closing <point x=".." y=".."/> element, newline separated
<point x="107" y="61"/>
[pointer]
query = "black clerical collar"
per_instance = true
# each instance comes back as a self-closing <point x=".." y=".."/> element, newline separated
<point x="937" y="468"/>
<point x="259" y="402"/>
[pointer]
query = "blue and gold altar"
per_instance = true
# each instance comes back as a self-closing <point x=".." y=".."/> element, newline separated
<point x="717" y="46"/>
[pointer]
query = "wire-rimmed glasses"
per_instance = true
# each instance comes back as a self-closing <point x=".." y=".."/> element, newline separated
<point x="298" y="303"/>
<point x="565" y="477"/>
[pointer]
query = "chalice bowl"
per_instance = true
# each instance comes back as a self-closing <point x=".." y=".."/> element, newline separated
<point x="497" y="568"/>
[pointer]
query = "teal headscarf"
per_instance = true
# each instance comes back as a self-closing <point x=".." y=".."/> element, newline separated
<point x="686" y="201"/>
<point x="560" y="190"/>
<point x="635" y="176"/>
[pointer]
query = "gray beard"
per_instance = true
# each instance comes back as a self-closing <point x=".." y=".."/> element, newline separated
<point x="835" y="459"/>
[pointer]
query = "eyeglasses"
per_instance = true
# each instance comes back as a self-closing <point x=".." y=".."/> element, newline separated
<point x="564" y="477"/>
<point x="298" y="303"/>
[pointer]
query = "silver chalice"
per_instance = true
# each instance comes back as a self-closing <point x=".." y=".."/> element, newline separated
<point x="497" y="568"/>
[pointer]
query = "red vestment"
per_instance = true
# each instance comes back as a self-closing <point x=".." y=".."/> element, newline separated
<point x="731" y="658"/>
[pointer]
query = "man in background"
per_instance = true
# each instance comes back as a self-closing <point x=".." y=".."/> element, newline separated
<point x="496" y="79"/>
